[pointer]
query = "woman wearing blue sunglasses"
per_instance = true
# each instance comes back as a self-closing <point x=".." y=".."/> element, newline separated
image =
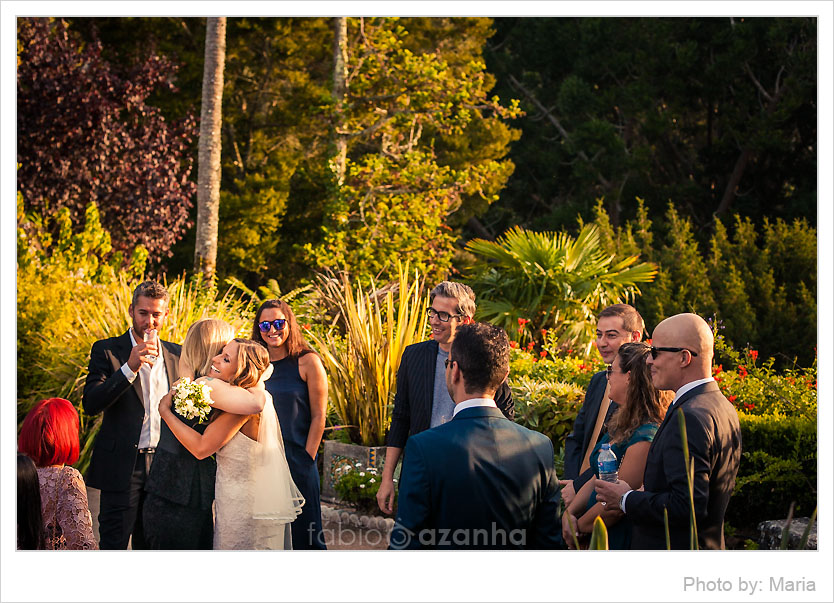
<point x="298" y="386"/>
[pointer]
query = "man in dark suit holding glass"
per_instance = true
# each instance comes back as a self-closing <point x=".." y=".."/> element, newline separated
<point x="126" y="378"/>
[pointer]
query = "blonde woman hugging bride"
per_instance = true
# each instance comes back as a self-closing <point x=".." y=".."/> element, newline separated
<point x="255" y="497"/>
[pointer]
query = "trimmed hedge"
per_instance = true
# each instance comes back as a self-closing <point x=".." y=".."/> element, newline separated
<point x="778" y="466"/>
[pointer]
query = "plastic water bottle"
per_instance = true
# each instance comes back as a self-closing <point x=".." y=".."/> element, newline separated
<point x="607" y="464"/>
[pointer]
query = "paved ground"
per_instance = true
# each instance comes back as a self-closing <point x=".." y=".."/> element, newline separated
<point x="337" y="536"/>
<point x="341" y="538"/>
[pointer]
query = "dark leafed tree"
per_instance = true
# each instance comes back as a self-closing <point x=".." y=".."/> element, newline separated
<point x="208" y="170"/>
<point x="717" y="115"/>
<point x="86" y="133"/>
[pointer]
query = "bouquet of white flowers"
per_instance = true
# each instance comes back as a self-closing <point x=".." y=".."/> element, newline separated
<point x="192" y="400"/>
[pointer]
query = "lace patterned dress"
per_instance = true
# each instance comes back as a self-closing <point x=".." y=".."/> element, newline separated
<point x="66" y="515"/>
<point x="234" y="500"/>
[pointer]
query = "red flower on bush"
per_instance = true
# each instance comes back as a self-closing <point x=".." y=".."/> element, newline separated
<point x="543" y="353"/>
<point x="753" y="354"/>
<point x="305" y="326"/>
<point x="513" y="344"/>
<point x="718" y="379"/>
<point x="530" y="346"/>
<point x="544" y="332"/>
<point x="717" y="369"/>
<point x="749" y="406"/>
<point x="522" y="322"/>
<point x="732" y="398"/>
<point x="742" y="371"/>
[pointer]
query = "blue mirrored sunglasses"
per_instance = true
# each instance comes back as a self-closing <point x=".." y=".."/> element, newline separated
<point x="278" y="323"/>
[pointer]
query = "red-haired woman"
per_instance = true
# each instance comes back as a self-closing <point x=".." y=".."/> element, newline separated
<point x="298" y="387"/>
<point x="49" y="437"/>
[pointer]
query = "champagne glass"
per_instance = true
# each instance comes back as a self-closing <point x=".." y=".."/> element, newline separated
<point x="150" y="335"/>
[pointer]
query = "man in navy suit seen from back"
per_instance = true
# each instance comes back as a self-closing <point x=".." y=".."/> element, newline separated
<point x="422" y="400"/>
<point x="479" y="481"/>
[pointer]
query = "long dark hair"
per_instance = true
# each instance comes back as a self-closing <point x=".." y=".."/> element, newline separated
<point x="31" y="534"/>
<point x="296" y="344"/>
<point x="646" y="403"/>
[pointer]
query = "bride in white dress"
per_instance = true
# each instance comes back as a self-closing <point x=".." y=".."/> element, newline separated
<point x="255" y="497"/>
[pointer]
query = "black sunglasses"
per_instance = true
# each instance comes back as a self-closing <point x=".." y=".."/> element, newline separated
<point x="654" y="351"/>
<point x="278" y="323"/>
<point x="447" y="362"/>
<point x="608" y="370"/>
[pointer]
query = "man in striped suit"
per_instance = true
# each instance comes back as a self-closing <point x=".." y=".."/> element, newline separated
<point x="422" y="399"/>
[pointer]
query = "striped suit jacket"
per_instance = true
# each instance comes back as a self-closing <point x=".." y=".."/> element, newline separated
<point x="415" y="392"/>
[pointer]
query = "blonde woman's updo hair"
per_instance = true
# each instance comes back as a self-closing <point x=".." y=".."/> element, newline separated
<point x="252" y="362"/>
<point x="204" y="340"/>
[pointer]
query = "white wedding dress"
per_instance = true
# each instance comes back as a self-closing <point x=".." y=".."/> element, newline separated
<point x="255" y="499"/>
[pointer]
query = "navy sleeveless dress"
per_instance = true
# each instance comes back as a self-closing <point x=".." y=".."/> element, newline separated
<point x="292" y="405"/>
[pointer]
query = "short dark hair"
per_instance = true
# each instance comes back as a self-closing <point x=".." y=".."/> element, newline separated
<point x="632" y="321"/>
<point x="150" y="289"/>
<point x="482" y="352"/>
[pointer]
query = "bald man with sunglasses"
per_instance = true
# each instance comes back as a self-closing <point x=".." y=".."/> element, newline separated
<point x="681" y="360"/>
<point x="422" y="400"/>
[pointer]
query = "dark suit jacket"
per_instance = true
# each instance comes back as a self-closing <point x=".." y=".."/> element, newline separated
<point x="108" y="390"/>
<point x="714" y="442"/>
<point x="580" y="438"/>
<point x="415" y="393"/>
<point x="478" y="481"/>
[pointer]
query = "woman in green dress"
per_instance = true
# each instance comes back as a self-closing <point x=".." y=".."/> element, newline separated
<point x="631" y="429"/>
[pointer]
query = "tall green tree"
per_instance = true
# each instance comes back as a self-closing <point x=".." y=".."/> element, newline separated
<point x="208" y="171"/>
<point x="397" y="195"/>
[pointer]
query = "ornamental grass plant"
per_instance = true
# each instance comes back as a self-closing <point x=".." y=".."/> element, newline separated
<point x="363" y="346"/>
